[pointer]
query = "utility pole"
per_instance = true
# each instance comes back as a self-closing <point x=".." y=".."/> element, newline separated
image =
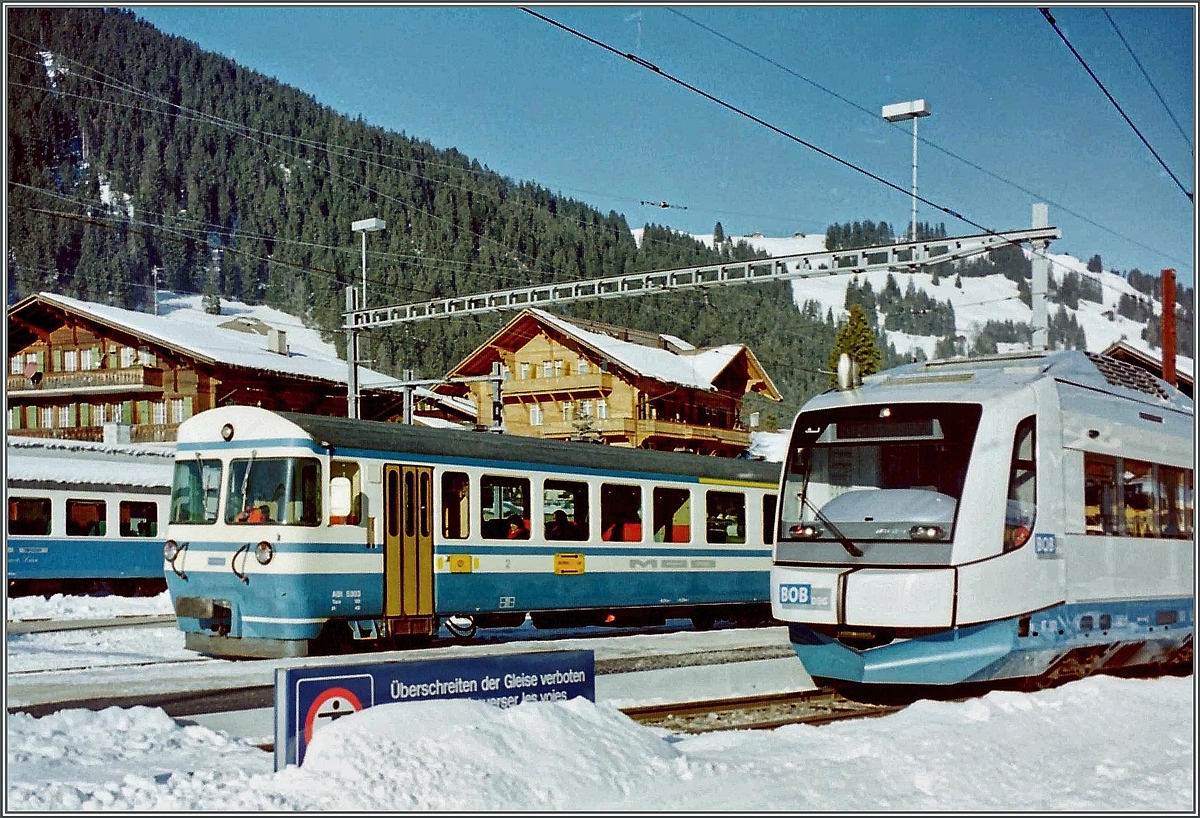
<point x="1039" y="276"/>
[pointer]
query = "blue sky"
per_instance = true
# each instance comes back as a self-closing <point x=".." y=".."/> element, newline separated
<point x="1016" y="119"/>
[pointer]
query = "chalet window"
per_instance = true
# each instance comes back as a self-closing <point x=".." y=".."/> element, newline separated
<point x="16" y="365"/>
<point x="65" y="416"/>
<point x="505" y="372"/>
<point x="70" y="360"/>
<point x="547" y="369"/>
<point x="46" y="417"/>
<point x="558" y="369"/>
<point x="100" y="413"/>
<point x="581" y="366"/>
<point x="602" y="409"/>
<point x="145" y="356"/>
<point x="87" y="359"/>
<point x="159" y="408"/>
<point x="525" y="370"/>
<point x="181" y="409"/>
<point x="127" y="354"/>
<point x="585" y="408"/>
<point x="535" y="414"/>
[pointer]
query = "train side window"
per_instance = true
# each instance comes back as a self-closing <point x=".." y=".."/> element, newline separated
<point x="456" y="493"/>
<point x="1021" y="508"/>
<point x="350" y="470"/>
<point x="768" y="518"/>
<point x="504" y="507"/>
<point x="138" y="519"/>
<point x="725" y="517"/>
<point x="29" y="516"/>
<point x="1138" y="499"/>
<point x="86" y="518"/>
<point x="1175" y="501"/>
<point x="565" y="510"/>
<point x="410" y="503"/>
<point x="1100" y="494"/>
<point x="672" y="515"/>
<point x="393" y="503"/>
<point x="620" y="513"/>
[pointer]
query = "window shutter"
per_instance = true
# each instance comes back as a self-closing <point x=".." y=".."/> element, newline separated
<point x="143" y="411"/>
<point x="85" y="414"/>
<point x="127" y="411"/>
<point x="56" y="357"/>
<point x="187" y="407"/>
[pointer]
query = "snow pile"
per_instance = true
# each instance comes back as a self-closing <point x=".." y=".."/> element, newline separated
<point x="1097" y="744"/>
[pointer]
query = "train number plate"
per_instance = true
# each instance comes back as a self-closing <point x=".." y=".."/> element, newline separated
<point x="795" y="594"/>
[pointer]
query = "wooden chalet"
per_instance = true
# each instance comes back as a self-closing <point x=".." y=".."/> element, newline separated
<point x="1124" y="351"/>
<point x="588" y="381"/>
<point x="77" y="367"/>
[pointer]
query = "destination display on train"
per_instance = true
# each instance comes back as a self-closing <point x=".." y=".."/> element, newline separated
<point x="308" y="699"/>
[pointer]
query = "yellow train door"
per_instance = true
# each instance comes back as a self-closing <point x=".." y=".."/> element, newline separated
<point x="408" y="546"/>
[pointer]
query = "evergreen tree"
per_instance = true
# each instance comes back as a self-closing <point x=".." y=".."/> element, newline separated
<point x="1094" y="264"/>
<point x="718" y="235"/>
<point x="856" y="338"/>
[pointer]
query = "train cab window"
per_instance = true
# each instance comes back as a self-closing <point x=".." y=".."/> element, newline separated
<point x="138" y="519"/>
<point x="274" y="490"/>
<point x="768" y="518"/>
<point x="456" y="493"/>
<point x="350" y="471"/>
<point x="504" y="507"/>
<point x="725" y="517"/>
<point x="672" y="515"/>
<point x="1100" y="494"/>
<point x="1021" y="508"/>
<point x="565" y="510"/>
<point x="620" y="513"/>
<point x="29" y="516"/>
<point x="1137" y="480"/>
<point x="86" y="518"/>
<point x="1175" y="502"/>
<point x="195" y="491"/>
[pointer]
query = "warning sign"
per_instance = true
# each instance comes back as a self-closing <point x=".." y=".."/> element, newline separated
<point x="322" y="700"/>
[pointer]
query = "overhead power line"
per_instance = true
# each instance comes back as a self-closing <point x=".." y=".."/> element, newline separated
<point x="1050" y="19"/>
<point x="1149" y="81"/>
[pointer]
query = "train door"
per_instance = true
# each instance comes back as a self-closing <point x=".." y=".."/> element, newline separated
<point x="408" y="544"/>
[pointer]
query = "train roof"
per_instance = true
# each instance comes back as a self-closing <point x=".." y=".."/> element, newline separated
<point x="344" y="433"/>
<point x="41" y="463"/>
<point x="974" y="379"/>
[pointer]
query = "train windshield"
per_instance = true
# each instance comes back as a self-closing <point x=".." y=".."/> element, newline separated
<point x="877" y="473"/>
<point x="195" y="491"/>
<point x="275" y="490"/>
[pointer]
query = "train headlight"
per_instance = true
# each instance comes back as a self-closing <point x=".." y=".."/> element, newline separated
<point x="926" y="532"/>
<point x="227" y="432"/>
<point x="264" y="552"/>
<point x="805" y="531"/>
<point x="170" y="550"/>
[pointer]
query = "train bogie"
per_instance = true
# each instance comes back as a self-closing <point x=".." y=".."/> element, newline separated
<point x="1014" y="518"/>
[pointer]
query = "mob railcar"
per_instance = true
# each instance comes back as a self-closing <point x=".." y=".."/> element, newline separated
<point x="1023" y="518"/>
<point x="293" y="534"/>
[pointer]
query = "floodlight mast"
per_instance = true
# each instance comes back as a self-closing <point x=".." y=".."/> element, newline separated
<point x="899" y="112"/>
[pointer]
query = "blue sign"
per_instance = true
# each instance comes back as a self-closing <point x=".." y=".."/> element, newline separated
<point x="310" y="698"/>
<point x="1045" y="545"/>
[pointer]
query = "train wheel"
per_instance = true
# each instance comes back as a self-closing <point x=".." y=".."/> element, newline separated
<point x="703" y="620"/>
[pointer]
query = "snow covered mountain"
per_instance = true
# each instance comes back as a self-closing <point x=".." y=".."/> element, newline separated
<point x="980" y="300"/>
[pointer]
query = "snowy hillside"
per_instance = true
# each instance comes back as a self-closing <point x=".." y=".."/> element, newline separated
<point x="991" y="298"/>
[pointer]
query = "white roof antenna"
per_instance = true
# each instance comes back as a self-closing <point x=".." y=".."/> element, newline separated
<point x="847" y="372"/>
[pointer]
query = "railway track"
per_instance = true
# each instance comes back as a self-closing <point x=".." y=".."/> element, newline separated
<point x="819" y="706"/>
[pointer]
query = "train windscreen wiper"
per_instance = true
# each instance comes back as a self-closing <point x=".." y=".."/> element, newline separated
<point x="852" y="549"/>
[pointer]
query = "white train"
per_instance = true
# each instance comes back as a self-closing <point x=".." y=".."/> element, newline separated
<point x="86" y="517"/>
<point x="1021" y="518"/>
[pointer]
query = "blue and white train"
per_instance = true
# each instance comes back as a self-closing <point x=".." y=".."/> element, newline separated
<point x="297" y="534"/>
<point x="86" y="517"/>
<point x="1020" y="519"/>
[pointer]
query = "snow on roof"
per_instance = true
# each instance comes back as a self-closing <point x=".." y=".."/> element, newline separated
<point x="696" y="368"/>
<point x="183" y="324"/>
<point x="74" y="462"/>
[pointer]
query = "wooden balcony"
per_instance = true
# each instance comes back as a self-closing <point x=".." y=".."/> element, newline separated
<point x="636" y="431"/>
<point x="90" y="382"/>
<point x="563" y="386"/>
